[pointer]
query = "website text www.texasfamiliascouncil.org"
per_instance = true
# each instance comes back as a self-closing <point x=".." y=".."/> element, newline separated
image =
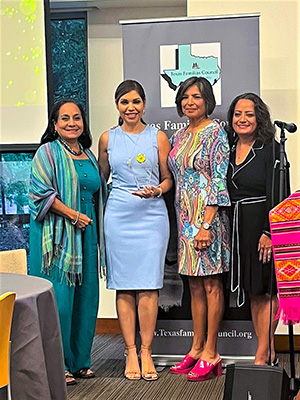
<point x="170" y="333"/>
<point x="234" y="333"/>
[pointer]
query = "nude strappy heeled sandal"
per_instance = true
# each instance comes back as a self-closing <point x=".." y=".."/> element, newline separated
<point x="131" y="375"/>
<point x="151" y="375"/>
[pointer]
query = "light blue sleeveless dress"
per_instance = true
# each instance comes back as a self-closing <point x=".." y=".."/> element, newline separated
<point x="136" y="230"/>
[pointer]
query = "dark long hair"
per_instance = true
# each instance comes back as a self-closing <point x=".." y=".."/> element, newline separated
<point x="265" y="130"/>
<point x="126" y="87"/>
<point x="205" y="89"/>
<point x="50" y="133"/>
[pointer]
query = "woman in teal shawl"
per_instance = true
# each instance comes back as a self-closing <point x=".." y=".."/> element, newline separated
<point x="66" y="231"/>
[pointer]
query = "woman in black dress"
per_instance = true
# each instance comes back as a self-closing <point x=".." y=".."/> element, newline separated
<point x="252" y="185"/>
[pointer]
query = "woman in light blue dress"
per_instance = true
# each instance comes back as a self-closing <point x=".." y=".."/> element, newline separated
<point x="136" y="224"/>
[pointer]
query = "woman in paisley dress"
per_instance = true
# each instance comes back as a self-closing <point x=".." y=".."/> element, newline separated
<point x="199" y="160"/>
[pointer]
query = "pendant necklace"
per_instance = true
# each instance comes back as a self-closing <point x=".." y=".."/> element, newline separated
<point x="129" y="160"/>
<point x="67" y="147"/>
<point x="145" y="178"/>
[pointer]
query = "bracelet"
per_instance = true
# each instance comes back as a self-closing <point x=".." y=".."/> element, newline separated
<point x="267" y="234"/>
<point x="76" y="220"/>
<point x="160" y="192"/>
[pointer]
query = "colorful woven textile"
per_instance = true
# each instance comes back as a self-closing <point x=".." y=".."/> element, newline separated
<point x="285" y="229"/>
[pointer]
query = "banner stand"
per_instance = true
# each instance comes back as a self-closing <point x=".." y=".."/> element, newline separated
<point x="160" y="54"/>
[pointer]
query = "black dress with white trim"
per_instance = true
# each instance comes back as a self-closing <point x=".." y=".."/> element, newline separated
<point x="252" y="187"/>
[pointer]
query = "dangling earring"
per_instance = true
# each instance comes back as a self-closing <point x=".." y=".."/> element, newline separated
<point x="234" y="137"/>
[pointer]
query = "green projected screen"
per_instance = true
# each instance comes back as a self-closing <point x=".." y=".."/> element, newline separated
<point x="23" y="95"/>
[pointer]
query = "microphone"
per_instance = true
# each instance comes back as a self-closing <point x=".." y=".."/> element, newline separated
<point x="284" y="125"/>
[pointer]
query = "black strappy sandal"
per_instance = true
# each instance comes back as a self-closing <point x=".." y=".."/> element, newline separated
<point x="84" y="373"/>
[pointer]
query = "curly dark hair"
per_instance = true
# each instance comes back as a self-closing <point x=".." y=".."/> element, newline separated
<point x="50" y="133"/>
<point x="205" y="89"/>
<point x="265" y="130"/>
<point x="128" y="86"/>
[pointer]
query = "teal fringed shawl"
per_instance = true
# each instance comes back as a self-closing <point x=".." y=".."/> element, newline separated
<point x="53" y="175"/>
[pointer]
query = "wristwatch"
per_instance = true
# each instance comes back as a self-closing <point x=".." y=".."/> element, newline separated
<point x="206" y="225"/>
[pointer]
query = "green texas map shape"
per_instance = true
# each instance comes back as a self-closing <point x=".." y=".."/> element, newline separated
<point x="189" y="65"/>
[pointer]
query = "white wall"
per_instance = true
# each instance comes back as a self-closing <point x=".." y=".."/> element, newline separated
<point x="279" y="64"/>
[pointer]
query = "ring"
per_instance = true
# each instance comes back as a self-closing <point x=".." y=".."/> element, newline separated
<point x="204" y="245"/>
<point x="269" y="251"/>
<point x="91" y="222"/>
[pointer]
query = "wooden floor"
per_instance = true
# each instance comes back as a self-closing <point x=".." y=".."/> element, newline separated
<point x="108" y="363"/>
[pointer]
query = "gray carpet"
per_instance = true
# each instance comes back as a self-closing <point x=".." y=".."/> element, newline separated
<point x="108" y="363"/>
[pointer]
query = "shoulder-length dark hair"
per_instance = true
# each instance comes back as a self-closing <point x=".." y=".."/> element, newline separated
<point x="50" y="133"/>
<point x="205" y="89"/>
<point x="126" y="87"/>
<point x="265" y="130"/>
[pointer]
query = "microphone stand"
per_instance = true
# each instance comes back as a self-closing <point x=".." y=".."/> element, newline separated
<point x="283" y="167"/>
<point x="283" y="193"/>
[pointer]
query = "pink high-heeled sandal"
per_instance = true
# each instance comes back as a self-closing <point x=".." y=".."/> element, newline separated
<point x="184" y="366"/>
<point x="204" y="370"/>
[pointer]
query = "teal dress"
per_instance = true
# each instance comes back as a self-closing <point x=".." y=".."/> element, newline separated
<point x="77" y="305"/>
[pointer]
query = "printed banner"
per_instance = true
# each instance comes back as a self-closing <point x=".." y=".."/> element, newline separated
<point x="161" y="54"/>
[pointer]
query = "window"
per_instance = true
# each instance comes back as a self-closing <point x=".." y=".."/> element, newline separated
<point x="15" y="163"/>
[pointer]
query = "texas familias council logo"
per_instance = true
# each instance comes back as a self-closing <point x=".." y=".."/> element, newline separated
<point x="180" y="62"/>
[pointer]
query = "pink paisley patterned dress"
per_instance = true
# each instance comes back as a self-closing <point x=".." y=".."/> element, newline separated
<point x="199" y="164"/>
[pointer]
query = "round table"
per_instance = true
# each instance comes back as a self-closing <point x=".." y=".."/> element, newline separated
<point x="36" y="364"/>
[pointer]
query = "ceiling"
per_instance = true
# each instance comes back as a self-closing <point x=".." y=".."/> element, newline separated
<point x="106" y="4"/>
